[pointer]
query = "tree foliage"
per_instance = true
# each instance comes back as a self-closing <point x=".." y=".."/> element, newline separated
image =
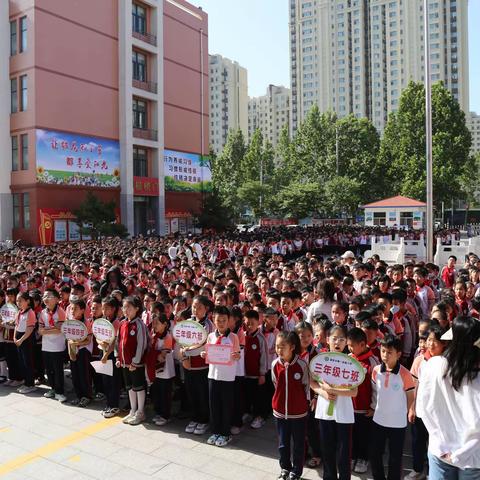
<point x="98" y="219"/>
<point x="403" y="144"/>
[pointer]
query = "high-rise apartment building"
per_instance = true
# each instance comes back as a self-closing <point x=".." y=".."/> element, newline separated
<point x="474" y="125"/>
<point x="108" y="97"/>
<point x="356" y="56"/>
<point x="228" y="100"/>
<point x="269" y="113"/>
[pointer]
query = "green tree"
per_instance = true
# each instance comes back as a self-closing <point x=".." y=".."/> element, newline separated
<point x="226" y="170"/>
<point x="342" y="195"/>
<point x="313" y="148"/>
<point x="213" y="214"/>
<point x="403" y="144"/>
<point x="358" y="148"/>
<point x="100" y="218"/>
<point x="299" y="200"/>
<point x="256" y="196"/>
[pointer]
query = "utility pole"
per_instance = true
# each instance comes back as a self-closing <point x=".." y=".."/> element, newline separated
<point x="428" y="128"/>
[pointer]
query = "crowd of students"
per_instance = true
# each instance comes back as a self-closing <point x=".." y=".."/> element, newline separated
<point x="276" y="314"/>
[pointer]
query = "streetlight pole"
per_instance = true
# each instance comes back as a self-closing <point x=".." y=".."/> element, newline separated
<point x="428" y="128"/>
<point x="337" y="148"/>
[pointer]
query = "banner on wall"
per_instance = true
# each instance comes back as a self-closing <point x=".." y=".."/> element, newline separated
<point x="70" y="159"/>
<point x="186" y="172"/>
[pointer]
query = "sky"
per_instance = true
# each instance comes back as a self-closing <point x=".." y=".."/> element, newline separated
<point x="255" y="34"/>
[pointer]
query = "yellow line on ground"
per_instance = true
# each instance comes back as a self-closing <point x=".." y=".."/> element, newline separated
<point x="56" y="445"/>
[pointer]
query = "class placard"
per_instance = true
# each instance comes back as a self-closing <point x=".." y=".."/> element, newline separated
<point x="8" y="313"/>
<point x="337" y="370"/>
<point x="103" y="330"/>
<point x="189" y="333"/>
<point x="74" y="330"/>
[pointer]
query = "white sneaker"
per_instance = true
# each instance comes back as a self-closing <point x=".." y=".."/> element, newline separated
<point x="137" y="419"/>
<point x="60" y="397"/>
<point x="212" y="439"/>
<point x="128" y="417"/>
<point x="413" y="475"/>
<point x="235" y="430"/>
<point x="258" y="422"/>
<point x="190" y="428"/>
<point x="223" y="441"/>
<point x="201" y="428"/>
<point x="49" y="394"/>
<point x="155" y="418"/>
<point x="26" y="389"/>
<point x="361" y="466"/>
<point x="160" y="421"/>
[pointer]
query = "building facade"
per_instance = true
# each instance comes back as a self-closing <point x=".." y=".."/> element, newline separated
<point x="356" y="56"/>
<point x="111" y="103"/>
<point x="269" y="113"/>
<point x="474" y="125"/>
<point x="228" y="100"/>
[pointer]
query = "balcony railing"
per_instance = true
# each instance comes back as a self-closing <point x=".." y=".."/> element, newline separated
<point x="148" y="86"/>
<point x="145" y="37"/>
<point x="145" y="133"/>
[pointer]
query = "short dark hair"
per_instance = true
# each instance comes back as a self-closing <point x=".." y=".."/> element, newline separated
<point x="391" y="341"/>
<point x="252" y="314"/>
<point x="356" y="335"/>
<point x="221" y="310"/>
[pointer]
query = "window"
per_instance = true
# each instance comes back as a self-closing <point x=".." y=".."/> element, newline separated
<point x="140" y="162"/>
<point x="13" y="38"/>
<point x="13" y="95"/>
<point x="14" y="154"/>
<point x="139" y="19"/>
<point x="23" y="34"/>
<point x="16" y="210"/>
<point x="23" y="91"/>
<point x="406" y="218"/>
<point x="379" y="218"/>
<point x="24" y="144"/>
<point x="139" y="113"/>
<point x="139" y="61"/>
<point x="26" y="210"/>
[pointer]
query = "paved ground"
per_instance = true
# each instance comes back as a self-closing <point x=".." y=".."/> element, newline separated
<point x="40" y="439"/>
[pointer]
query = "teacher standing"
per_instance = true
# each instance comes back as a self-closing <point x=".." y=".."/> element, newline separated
<point x="448" y="402"/>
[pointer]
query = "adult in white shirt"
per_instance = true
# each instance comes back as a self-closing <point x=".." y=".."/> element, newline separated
<point x="448" y="402"/>
<point x="326" y="296"/>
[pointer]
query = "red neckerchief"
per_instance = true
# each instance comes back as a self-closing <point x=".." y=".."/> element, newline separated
<point x="51" y="321"/>
<point x="462" y="305"/>
<point x="221" y="335"/>
<point x="364" y="356"/>
<point x="427" y="355"/>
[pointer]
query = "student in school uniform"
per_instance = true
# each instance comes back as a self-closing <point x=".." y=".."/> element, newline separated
<point x="80" y="365"/>
<point x="164" y="368"/>
<point x="24" y="340"/>
<point x="357" y="344"/>
<point x="255" y="369"/>
<point x="392" y="396"/>
<point x="336" y="429"/>
<point x="290" y="403"/>
<point x="12" y="359"/>
<point x="132" y="343"/>
<point x="111" y="383"/>
<point x="221" y="379"/>
<point x="196" y="371"/>
<point x="53" y="344"/>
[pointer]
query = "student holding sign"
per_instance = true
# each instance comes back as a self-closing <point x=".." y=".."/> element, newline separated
<point x="222" y="353"/>
<point x="336" y="425"/>
<point x="53" y="344"/>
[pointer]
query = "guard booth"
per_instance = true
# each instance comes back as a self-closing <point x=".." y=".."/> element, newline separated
<point x="399" y="211"/>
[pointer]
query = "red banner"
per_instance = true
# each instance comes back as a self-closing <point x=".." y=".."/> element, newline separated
<point x="277" y="222"/>
<point x="146" y="186"/>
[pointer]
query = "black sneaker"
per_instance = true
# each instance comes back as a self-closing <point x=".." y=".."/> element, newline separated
<point x="284" y="475"/>
<point x="294" y="476"/>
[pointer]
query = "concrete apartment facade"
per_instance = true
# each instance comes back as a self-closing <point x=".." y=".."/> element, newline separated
<point x="228" y="100"/>
<point x="356" y="56"/>
<point x="269" y="113"/>
<point x="111" y="103"/>
<point x="474" y="125"/>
